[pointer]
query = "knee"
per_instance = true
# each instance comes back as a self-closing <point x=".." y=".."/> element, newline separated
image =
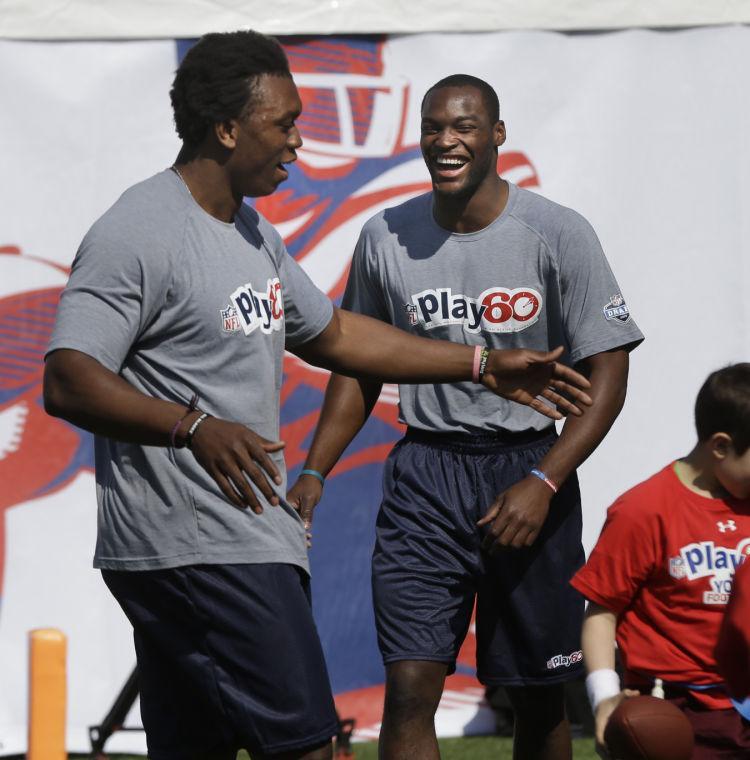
<point x="413" y="690"/>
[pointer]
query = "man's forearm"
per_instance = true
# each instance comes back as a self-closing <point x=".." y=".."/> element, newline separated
<point x="84" y="392"/>
<point x="347" y="405"/>
<point x="356" y="345"/>
<point x="608" y="374"/>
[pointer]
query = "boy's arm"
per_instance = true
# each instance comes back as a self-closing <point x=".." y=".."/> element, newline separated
<point x="602" y="682"/>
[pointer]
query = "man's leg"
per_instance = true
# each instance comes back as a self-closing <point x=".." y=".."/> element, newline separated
<point x="529" y="617"/>
<point x="412" y="694"/>
<point x="541" y="730"/>
<point x="228" y="656"/>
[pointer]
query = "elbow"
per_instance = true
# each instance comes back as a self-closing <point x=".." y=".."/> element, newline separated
<point x="54" y="393"/>
<point x="53" y="398"/>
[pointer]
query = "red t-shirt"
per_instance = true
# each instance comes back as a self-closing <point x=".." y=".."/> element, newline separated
<point x="664" y="565"/>
<point x="733" y="649"/>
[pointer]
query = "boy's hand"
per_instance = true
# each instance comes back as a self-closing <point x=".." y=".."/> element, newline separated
<point x="604" y="711"/>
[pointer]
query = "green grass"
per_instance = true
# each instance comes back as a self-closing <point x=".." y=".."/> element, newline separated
<point x="468" y="748"/>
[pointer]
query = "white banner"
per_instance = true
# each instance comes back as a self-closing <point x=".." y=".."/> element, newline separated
<point x="144" y="19"/>
<point x="642" y="132"/>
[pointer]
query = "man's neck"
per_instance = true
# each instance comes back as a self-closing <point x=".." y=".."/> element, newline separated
<point x="209" y="184"/>
<point x="474" y="212"/>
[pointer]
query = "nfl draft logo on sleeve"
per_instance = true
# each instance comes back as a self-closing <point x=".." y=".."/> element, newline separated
<point x="251" y="310"/>
<point x="617" y="309"/>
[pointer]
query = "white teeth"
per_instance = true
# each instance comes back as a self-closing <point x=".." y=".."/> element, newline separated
<point x="449" y="161"/>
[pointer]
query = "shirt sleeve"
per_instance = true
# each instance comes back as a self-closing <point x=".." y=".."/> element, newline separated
<point x="596" y="316"/>
<point x="307" y="310"/>
<point x="364" y="292"/>
<point x="117" y="285"/>
<point x="624" y="557"/>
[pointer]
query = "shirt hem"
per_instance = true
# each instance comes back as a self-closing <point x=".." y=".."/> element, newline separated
<point x="197" y="558"/>
<point x="594" y="596"/>
<point x="597" y="347"/>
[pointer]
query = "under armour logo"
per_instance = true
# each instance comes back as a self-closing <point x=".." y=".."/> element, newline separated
<point x="725" y="526"/>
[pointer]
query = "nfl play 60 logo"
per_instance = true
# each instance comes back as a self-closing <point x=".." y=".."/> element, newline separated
<point x="251" y="310"/>
<point x="497" y="309"/>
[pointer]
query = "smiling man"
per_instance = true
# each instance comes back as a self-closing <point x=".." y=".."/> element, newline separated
<point x="169" y="345"/>
<point x="480" y="497"/>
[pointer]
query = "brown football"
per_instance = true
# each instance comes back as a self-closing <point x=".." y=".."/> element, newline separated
<point x="647" y="728"/>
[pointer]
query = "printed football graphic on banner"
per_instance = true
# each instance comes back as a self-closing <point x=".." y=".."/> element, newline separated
<point x="37" y="453"/>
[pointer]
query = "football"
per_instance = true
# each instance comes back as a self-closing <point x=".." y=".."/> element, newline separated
<point x="647" y="728"/>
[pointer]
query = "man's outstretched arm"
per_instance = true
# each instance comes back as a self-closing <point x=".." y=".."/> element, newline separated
<point x="518" y="514"/>
<point x="356" y="345"/>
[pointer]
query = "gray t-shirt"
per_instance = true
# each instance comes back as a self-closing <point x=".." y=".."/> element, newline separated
<point x="534" y="278"/>
<point x="177" y="302"/>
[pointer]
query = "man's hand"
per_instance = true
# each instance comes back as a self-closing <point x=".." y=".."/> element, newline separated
<point x="231" y="453"/>
<point x="517" y="515"/>
<point x="522" y="375"/>
<point x="304" y="496"/>
<point x="603" y="712"/>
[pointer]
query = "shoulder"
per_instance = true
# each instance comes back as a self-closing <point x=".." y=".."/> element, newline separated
<point x="648" y="499"/>
<point x="398" y="219"/>
<point x="551" y="221"/>
<point x="146" y="213"/>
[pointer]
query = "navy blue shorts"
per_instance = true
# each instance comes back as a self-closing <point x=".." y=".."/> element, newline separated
<point x="428" y="567"/>
<point x="228" y="658"/>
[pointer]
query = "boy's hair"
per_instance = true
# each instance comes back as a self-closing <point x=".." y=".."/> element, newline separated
<point x="214" y="82"/>
<point x="723" y="406"/>
<point x="489" y="96"/>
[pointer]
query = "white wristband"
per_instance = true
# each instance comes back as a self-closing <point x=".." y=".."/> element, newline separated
<point x="601" y="685"/>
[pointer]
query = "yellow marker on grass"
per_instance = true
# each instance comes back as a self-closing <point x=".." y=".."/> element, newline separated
<point x="47" y="694"/>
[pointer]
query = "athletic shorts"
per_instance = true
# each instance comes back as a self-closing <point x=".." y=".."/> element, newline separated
<point x="428" y="565"/>
<point x="228" y="658"/>
<point x="719" y="734"/>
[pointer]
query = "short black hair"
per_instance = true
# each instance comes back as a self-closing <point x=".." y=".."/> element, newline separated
<point x="214" y="82"/>
<point x="723" y="406"/>
<point x="489" y="96"/>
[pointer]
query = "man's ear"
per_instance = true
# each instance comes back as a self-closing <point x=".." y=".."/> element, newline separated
<point x="226" y="133"/>
<point x="720" y="445"/>
<point x="499" y="133"/>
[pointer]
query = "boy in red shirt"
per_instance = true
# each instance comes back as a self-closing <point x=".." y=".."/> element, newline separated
<point x="659" y="577"/>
